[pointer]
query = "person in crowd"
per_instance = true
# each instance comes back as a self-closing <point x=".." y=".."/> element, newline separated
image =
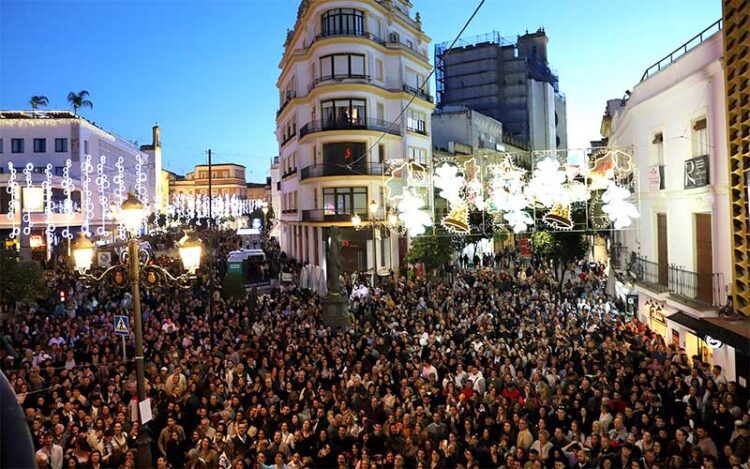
<point x="497" y="368"/>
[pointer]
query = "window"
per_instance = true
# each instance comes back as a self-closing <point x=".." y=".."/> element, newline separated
<point x="344" y="112"/>
<point x="419" y="155"/>
<point x="16" y="145"/>
<point x="40" y="145"/>
<point x="343" y="21"/>
<point x="344" y="154"/>
<point x="381" y="153"/>
<point x="59" y="170"/>
<point x="346" y="200"/>
<point x="416" y="122"/>
<point x="61" y="145"/>
<point x="378" y="69"/>
<point x="657" y="149"/>
<point x="1" y="145"/>
<point x="700" y="137"/>
<point x="85" y="147"/>
<point x="342" y="66"/>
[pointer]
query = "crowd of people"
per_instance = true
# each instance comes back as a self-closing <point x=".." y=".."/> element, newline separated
<point x="494" y="369"/>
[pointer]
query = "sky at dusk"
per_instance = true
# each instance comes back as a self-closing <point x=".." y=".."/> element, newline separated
<point x="205" y="71"/>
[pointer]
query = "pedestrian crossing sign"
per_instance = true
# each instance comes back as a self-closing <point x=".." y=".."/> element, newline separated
<point x="122" y="325"/>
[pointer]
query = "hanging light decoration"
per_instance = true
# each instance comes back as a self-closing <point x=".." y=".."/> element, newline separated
<point x="47" y="187"/>
<point x="545" y="188"/>
<point x="559" y="217"/>
<point x="68" y="186"/>
<point x="412" y="213"/>
<point x="457" y="221"/>
<point x="507" y="195"/>
<point x="451" y="183"/>
<point x="88" y="203"/>
<point x="102" y="185"/>
<point x="12" y="189"/>
<point x="27" y="208"/>
<point x="617" y="207"/>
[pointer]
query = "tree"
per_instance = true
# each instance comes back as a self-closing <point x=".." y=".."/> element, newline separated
<point x="78" y="100"/>
<point x="433" y="251"/>
<point x="37" y="101"/>
<point x="21" y="282"/>
<point x="560" y="248"/>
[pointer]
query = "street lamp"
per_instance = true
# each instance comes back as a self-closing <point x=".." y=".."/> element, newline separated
<point x="134" y="263"/>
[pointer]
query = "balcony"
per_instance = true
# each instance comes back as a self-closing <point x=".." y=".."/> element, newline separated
<point x="703" y="288"/>
<point x="288" y="139"/>
<point x="322" y="170"/>
<point x="289" y="97"/>
<point x="343" y="78"/>
<point x="334" y="215"/>
<point x="418" y="127"/>
<point x="650" y="273"/>
<point x="289" y="172"/>
<point x="696" y="288"/>
<point x="376" y="125"/>
<point x="419" y="93"/>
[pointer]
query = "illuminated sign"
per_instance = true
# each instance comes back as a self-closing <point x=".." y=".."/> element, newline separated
<point x="35" y="241"/>
<point x="713" y="343"/>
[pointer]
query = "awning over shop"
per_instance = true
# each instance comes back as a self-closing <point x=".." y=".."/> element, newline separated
<point x="703" y="328"/>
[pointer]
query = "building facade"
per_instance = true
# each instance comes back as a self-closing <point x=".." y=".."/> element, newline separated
<point x="349" y="68"/>
<point x="674" y="124"/>
<point x="54" y="138"/>
<point x="511" y="82"/>
<point x="226" y="179"/>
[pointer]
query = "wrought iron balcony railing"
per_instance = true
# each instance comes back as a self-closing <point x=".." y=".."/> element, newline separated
<point x="323" y="125"/>
<point x="328" y="169"/>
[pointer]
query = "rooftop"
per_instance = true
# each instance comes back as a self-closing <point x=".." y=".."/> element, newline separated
<point x="675" y="55"/>
<point x="52" y="115"/>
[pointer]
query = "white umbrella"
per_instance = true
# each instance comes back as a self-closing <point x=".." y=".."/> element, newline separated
<point x="322" y="285"/>
<point x="303" y="277"/>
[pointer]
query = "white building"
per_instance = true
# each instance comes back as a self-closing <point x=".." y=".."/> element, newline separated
<point x="275" y="196"/>
<point x="54" y="138"/>
<point x="349" y="68"/>
<point x="674" y="123"/>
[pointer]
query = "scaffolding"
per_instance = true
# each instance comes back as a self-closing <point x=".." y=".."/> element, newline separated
<point x="493" y="37"/>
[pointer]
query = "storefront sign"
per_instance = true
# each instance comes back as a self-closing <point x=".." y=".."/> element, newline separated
<point x="525" y="245"/>
<point x="713" y="343"/>
<point x="696" y="172"/>
<point x="656" y="315"/>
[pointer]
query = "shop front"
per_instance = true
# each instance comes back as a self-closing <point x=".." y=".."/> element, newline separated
<point x="712" y="344"/>
<point x="652" y="312"/>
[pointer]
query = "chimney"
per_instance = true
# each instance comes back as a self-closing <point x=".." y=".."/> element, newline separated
<point x="156" y="140"/>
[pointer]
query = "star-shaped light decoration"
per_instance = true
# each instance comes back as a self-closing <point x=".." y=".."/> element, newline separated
<point x="450" y="183"/>
<point x="411" y="214"/>
<point x="617" y="207"/>
<point x="546" y="185"/>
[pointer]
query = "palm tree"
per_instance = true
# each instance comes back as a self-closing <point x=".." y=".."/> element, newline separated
<point x="37" y="101"/>
<point x="79" y="100"/>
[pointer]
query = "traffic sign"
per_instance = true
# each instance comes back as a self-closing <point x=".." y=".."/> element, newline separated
<point x="122" y="325"/>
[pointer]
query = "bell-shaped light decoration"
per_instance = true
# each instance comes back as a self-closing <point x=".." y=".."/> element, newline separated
<point x="559" y="217"/>
<point x="190" y="248"/>
<point x="457" y="220"/>
<point x="132" y="213"/>
<point x="83" y="253"/>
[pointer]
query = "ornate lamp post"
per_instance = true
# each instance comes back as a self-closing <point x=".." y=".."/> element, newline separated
<point x="390" y="223"/>
<point x="134" y="264"/>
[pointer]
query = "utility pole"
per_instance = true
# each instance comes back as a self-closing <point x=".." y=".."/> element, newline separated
<point x="210" y="248"/>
